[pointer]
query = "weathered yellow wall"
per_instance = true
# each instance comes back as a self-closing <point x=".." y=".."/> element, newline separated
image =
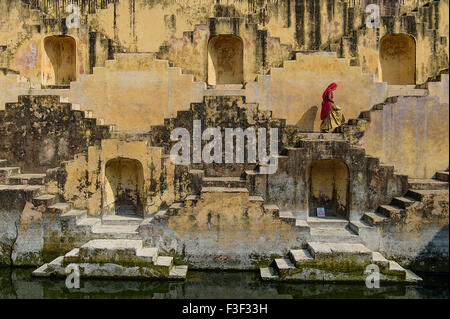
<point x="135" y="91"/>
<point x="294" y="92"/>
<point x="11" y="86"/>
<point x="411" y="134"/>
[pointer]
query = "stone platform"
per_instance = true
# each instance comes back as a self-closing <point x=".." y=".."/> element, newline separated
<point x="335" y="262"/>
<point x="114" y="258"/>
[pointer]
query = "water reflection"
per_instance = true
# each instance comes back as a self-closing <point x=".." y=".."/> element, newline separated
<point x="18" y="283"/>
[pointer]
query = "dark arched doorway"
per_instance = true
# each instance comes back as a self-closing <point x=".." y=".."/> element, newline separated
<point x="59" y="60"/>
<point x="225" y="60"/>
<point x="329" y="188"/>
<point x="398" y="59"/>
<point x="123" y="189"/>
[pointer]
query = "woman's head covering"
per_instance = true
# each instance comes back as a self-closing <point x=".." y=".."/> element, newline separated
<point x="326" y="103"/>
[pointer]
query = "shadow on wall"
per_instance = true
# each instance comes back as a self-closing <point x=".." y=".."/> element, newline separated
<point x="306" y="123"/>
<point x="434" y="257"/>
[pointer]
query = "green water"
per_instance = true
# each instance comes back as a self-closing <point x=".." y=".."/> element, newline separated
<point x="18" y="283"/>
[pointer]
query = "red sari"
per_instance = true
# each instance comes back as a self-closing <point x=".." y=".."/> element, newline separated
<point x="331" y="114"/>
<point x="327" y="103"/>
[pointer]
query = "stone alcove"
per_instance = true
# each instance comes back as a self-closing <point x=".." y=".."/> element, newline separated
<point x="328" y="187"/>
<point x="225" y="60"/>
<point x="59" y="60"/>
<point x="398" y="59"/>
<point x="123" y="187"/>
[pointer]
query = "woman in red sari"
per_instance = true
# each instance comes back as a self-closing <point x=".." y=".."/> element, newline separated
<point x="331" y="114"/>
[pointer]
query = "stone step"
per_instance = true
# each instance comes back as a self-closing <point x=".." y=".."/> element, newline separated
<point x="27" y="179"/>
<point x="121" y="220"/>
<point x="419" y="195"/>
<point x="329" y="234"/>
<point x="326" y="222"/>
<point x="300" y="256"/>
<point x="7" y="171"/>
<point x="110" y="251"/>
<point x="147" y="253"/>
<point x="426" y="184"/>
<point x="226" y="181"/>
<point x="397" y="270"/>
<point x="178" y="272"/>
<point x="402" y="202"/>
<point x="358" y="225"/>
<point x="440" y="176"/>
<point x="161" y="214"/>
<point x="412" y="277"/>
<point x="287" y="216"/>
<point x="165" y="263"/>
<point x="116" y="231"/>
<point x="403" y="90"/>
<point x="256" y="199"/>
<point x="59" y="208"/>
<point x="88" y="223"/>
<point x="302" y="226"/>
<point x="340" y="251"/>
<point x="323" y="136"/>
<point x="76" y="214"/>
<point x="8" y="192"/>
<point x="271" y="209"/>
<point x="389" y="210"/>
<point x="227" y="87"/>
<point x="72" y="256"/>
<point x="45" y="200"/>
<point x="283" y="266"/>
<point x="379" y="260"/>
<point x="374" y="218"/>
<point x="268" y="273"/>
<point x="224" y="190"/>
<point x="42" y="271"/>
<point x="224" y="92"/>
<point x="56" y="263"/>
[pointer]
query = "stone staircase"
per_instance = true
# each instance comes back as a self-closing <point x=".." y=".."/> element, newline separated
<point x="115" y="258"/>
<point x="405" y="90"/>
<point x="78" y="225"/>
<point x="239" y="179"/>
<point x="334" y="261"/>
<point x="354" y="129"/>
<point x="418" y="190"/>
<point x="331" y="229"/>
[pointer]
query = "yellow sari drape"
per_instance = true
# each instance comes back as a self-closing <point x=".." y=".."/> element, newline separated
<point x="334" y="119"/>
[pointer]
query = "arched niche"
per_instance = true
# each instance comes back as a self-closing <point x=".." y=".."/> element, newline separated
<point x="225" y="60"/>
<point x="398" y="59"/>
<point x="59" y="60"/>
<point x="123" y="187"/>
<point x="329" y="187"/>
